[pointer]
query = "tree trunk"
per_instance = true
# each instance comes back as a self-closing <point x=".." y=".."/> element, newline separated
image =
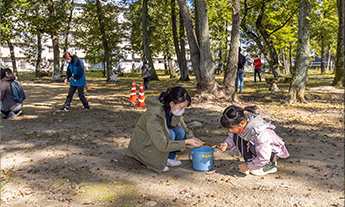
<point x="147" y="53"/>
<point x="328" y="58"/>
<point x="266" y="37"/>
<point x="183" y="66"/>
<point x="66" y="36"/>
<point x="104" y="67"/>
<point x="286" y="67"/>
<point x="322" y="57"/>
<point x="339" y="64"/>
<point x="13" y="58"/>
<point x="56" y="71"/>
<point x="39" y="55"/>
<point x="104" y="39"/>
<point x="297" y="86"/>
<point x="199" y="44"/>
<point x="232" y="62"/>
<point x="290" y="58"/>
<point x="173" y="73"/>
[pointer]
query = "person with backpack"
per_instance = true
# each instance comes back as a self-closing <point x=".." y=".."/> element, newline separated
<point x="75" y="71"/>
<point x="10" y="106"/>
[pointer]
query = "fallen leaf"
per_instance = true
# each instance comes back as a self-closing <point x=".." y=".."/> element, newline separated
<point x="87" y="202"/>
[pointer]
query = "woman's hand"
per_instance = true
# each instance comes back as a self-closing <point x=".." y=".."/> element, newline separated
<point x="243" y="167"/>
<point x="224" y="146"/>
<point x="195" y="142"/>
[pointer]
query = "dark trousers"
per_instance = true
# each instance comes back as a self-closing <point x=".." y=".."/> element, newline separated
<point x="146" y="82"/>
<point x="247" y="149"/>
<point x="82" y="98"/>
<point x="257" y="71"/>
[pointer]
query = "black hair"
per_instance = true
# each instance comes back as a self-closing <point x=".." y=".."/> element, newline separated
<point x="4" y="71"/>
<point x="256" y="55"/>
<point x="233" y="115"/>
<point x="176" y="95"/>
<point x="67" y="53"/>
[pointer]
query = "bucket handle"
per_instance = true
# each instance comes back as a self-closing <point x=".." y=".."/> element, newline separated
<point x="191" y="152"/>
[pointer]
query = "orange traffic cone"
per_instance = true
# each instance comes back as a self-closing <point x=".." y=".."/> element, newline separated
<point x="141" y="96"/>
<point x="133" y="97"/>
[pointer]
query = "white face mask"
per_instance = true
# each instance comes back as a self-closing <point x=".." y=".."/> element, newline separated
<point x="177" y="112"/>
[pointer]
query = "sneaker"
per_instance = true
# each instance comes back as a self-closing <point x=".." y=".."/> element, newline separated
<point x="18" y="112"/>
<point x="264" y="170"/>
<point x="10" y="115"/>
<point x="173" y="162"/>
<point x="86" y="108"/>
<point x="64" y="109"/>
<point x="244" y="172"/>
<point x="165" y="169"/>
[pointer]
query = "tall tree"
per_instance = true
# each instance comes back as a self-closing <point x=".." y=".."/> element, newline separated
<point x="261" y="20"/>
<point x="146" y="44"/>
<point x="8" y="18"/>
<point x="93" y="38"/>
<point x="231" y="67"/>
<point x="339" y="64"/>
<point x="104" y="38"/>
<point x="65" y="45"/>
<point x="297" y="86"/>
<point x="199" y="43"/>
<point x="179" y="43"/>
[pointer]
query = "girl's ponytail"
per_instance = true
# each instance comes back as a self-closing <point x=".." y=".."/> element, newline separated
<point x="233" y="115"/>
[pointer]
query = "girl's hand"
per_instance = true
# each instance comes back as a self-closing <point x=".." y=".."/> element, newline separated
<point x="243" y="167"/>
<point x="224" y="146"/>
<point x="195" y="142"/>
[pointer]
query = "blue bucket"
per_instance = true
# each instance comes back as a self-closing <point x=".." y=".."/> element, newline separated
<point x="202" y="158"/>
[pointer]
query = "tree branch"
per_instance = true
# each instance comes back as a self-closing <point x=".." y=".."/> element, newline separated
<point x="285" y="22"/>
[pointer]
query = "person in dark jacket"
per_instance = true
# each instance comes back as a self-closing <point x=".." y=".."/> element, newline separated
<point x="240" y="71"/>
<point x="75" y="71"/>
<point x="145" y="73"/>
<point x="9" y="107"/>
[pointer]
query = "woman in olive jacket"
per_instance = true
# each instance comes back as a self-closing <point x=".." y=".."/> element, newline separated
<point x="152" y="142"/>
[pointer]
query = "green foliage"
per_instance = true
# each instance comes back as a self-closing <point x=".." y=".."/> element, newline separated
<point x="159" y="26"/>
<point x="219" y="18"/>
<point x="324" y="25"/>
<point x="88" y="33"/>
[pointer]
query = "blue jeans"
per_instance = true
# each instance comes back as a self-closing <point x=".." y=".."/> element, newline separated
<point x="239" y="77"/>
<point x="176" y="133"/>
<point x="257" y="71"/>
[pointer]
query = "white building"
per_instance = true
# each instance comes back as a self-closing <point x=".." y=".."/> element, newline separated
<point x="129" y="61"/>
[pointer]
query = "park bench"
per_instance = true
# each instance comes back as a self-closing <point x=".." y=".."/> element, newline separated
<point x="273" y="82"/>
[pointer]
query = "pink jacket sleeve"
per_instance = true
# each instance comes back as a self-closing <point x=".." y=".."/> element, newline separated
<point x="230" y="141"/>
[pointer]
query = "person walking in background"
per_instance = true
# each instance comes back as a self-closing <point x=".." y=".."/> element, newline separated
<point x="75" y="71"/>
<point x="257" y="67"/>
<point x="145" y="73"/>
<point x="240" y="71"/>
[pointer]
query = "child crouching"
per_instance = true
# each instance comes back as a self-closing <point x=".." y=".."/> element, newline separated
<point x="254" y="138"/>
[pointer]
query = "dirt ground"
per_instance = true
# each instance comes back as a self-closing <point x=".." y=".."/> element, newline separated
<point x="77" y="158"/>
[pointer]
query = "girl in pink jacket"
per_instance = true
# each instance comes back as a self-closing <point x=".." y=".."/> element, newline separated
<point x="254" y="138"/>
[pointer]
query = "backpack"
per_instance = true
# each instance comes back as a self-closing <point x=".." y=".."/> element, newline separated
<point x="18" y="94"/>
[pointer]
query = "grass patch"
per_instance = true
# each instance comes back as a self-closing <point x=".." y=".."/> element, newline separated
<point x="108" y="194"/>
